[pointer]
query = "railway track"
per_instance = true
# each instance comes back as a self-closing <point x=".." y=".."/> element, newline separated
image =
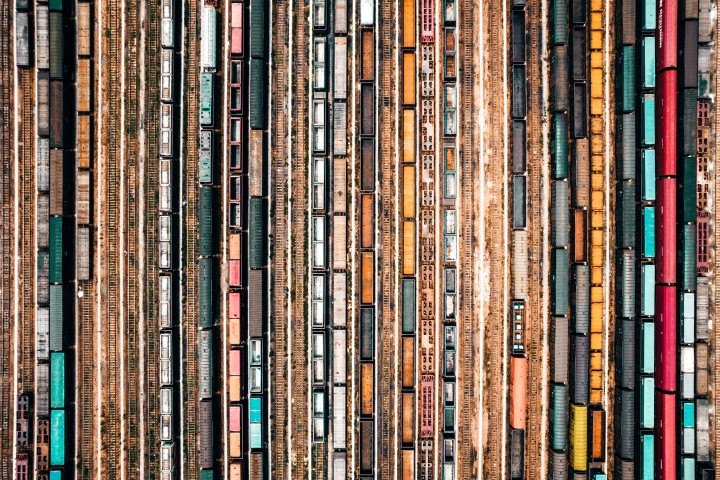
<point x="387" y="253"/>
<point x="299" y="230"/>
<point x="7" y="236"/>
<point x="152" y="351"/>
<point x="468" y="316"/>
<point x="279" y="228"/>
<point x="189" y="245"/>
<point x="535" y="315"/>
<point x="131" y="232"/>
<point x="110" y="294"/>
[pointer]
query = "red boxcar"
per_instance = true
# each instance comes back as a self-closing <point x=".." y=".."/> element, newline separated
<point x="235" y="362"/>
<point x="235" y="305"/>
<point x="666" y="338"/>
<point x="665" y="437"/>
<point x="234" y="273"/>
<point x="518" y="392"/>
<point x="666" y="121"/>
<point x="665" y="223"/>
<point x="427" y="406"/>
<point x="667" y="21"/>
<point x="235" y="419"/>
<point x="236" y="30"/>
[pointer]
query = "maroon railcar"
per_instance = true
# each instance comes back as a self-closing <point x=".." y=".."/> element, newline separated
<point x="667" y="34"/>
<point x="665" y="223"/>
<point x="666" y="121"/>
<point x="665" y="437"/>
<point x="666" y="338"/>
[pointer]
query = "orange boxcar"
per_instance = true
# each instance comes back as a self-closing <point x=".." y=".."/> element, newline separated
<point x="518" y="392"/>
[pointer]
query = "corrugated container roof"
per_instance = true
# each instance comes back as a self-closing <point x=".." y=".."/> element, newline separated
<point x="256" y="233"/>
<point x="647" y="348"/>
<point x="205" y="221"/>
<point x="56" y="45"/>
<point x="580" y="369"/>
<point x="57" y="380"/>
<point x="581" y="166"/>
<point x="647" y="290"/>
<point x="559" y="214"/>
<point x="208" y="38"/>
<point x="628" y="87"/>
<point x="257" y="28"/>
<point x="625" y="419"/>
<point x="648" y="230"/>
<point x="626" y="160"/>
<point x="581" y="299"/>
<point x="648" y="62"/>
<point x="647" y="131"/>
<point x="258" y="115"/>
<point x="688" y="257"/>
<point x="649" y="15"/>
<point x="578" y="437"/>
<point x="559" y="146"/>
<point x="518" y="188"/>
<point x="647" y="159"/>
<point x="558" y="416"/>
<point x="408" y="305"/>
<point x="626" y="282"/>
<point x="559" y="22"/>
<point x="626" y="359"/>
<point x="626" y="211"/>
<point x="687" y="188"/>
<point x="205" y="295"/>
<point x="206" y="434"/>
<point x="647" y="456"/>
<point x="520" y="264"/>
<point x="560" y="281"/>
<point x="56" y="317"/>
<point x="205" y="359"/>
<point x="647" y="402"/>
<point x="558" y="465"/>
<point x="255" y="303"/>
<point x="57" y="438"/>
<point x="559" y="341"/>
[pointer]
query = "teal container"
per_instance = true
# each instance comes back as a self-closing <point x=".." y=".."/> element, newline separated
<point x="647" y="402"/>
<point x="649" y="16"/>
<point x="688" y="415"/>
<point x="206" y="475"/>
<point x="647" y="129"/>
<point x="648" y="237"/>
<point x="647" y="158"/>
<point x="257" y="101"/>
<point x="648" y="62"/>
<point x="558" y="416"/>
<point x="255" y="410"/>
<point x="257" y="29"/>
<point x="55" y="5"/>
<point x="559" y="22"/>
<point x="56" y="250"/>
<point x="205" y="300"/>
<point x="57" y="438"/>
<point x="688" y="257"/>
<point x="626" y="214"/>
<point x="55" y="475"/>
<point x="56" y="43"/>
<point x="559" y="146"/>
<point x="255" y="436"/>
<point x="647" y="291"/>
<point x="56" y="318"/>
<point x="408" y="305"/>
<point x="688" y="468"/>
<point x="256" y="233"/>
<point x="595" y="475"/>
<point x="205" y="222"/>
<point x="647" y="348"/>
<point x="647" y="458"/>
<point x="560" y="281"/>
<point x="687" y="317"/>
<point x="57" y="380"/>
<point x="449" y="420"/>
<point x="627" y="97"/>
<point x="206" y="99"/>
<point x="687" y="190"/>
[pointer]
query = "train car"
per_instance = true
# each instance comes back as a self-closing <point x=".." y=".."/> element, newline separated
<point x="319" y="63"/>
<point x="208" y="39"/>
<point x="206" y="421"/>
<point x="165" y="204"/>
<point x="518" y="326"/>
<point x="236" y="89"/>
<point x="166" y="359"/>
<point x="167" y="29"/>
<point x="318" y="242"/>
<point x="518" y="392"/>
<point x="42" y="37"/>
<point x="166" y="75"/>
<point x="237" y="19"/>
<point x="166" y="412"/>
<point x="449" y="110"/>
<point x="235" y="421"/>
<point x="22" y="40"/>
<point x="319" y="15"/>
<point x="206" y="100"/>
<point x="167" y="461"/>
<point x="206" y="156"/>
<point x="319" y="129"/>
<point x="205" y="354"/>
<point x="166" y="130"/>
<point x="255" y="420"/>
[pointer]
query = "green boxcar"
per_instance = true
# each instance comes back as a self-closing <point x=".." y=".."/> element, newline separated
<point x="647" y="402"/>
<point x="55" y="5"/>
<point x="648" y="62"/>
<point x="56" y="45"/>
<point x="559" y="146"/>
<point x="57" y="438"/>
<point x="647" y="290"/>
<point x="57" y="380"/>
<point x="206" y="475"/>
<point x="627" y="99"/>
<point x="688" y="257"/>
<point x="649" y="18"/>
<point x="647" y="156"/>
<point x="408" y="305"/>
<point x="205" y="221"/>
<point x="626" y="151"/>
<point x="56" y="249"/>
<point x="449" y="420"/>
<point x="626" y="206"/>
<point x="256" y="233"/>
<point x="559" y="284"/>
<point x="558" y="416"/>
<point x="647" y="130"/>
<point x="206" y="99"/>
<point x="559" y="22"/>
<point x="648" y="232"/>
<point x="257" y="29"/>
<point x="687" y="124"/>
<point x="647" y="457"/>
<point x="205" y="300"/>
<point x="647" y="348"/>
<point x="56" y="317"/>
<point x="687" y="190"/>
<point x="258" y="114"/>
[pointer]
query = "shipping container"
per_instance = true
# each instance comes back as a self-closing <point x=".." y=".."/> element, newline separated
<point x="667" y="16"/>
<point x="558" y="417"/>
<point x="56" y="317"/>
<point x="579" y="46"/>
<point x="367" y="269"/>
<point x="57" y="380"/>
<point x="647" y="130"/>
<point x="43" y="104"/>
<point x="627" y="88"/>
<point x="558" y="465"/>
<point x="518" y="146"/>
<point x="256" y="233"/>
<point x="255" y="306"/>
<point x="666" y="450"/>
<point x="367" y="334"/>
<point x="559" y="22"/>
<point x="665" y="210"/>
<point x="626" y="221"/>
<point x="687" y="257"/>
<point x="648" y="61"/>
<point x="689" y="52"/>
<point x="518" y="392"/>
<point x="666" y="338"/>
<point x="626" y="147"/>
<point x="366" y="446"/>
<point x="517" y="454"/>
<point x="666" y="133"/>
<point x="687" y="190"/>
<point x="205" y="355"/>
<point x="83" y="253"/>
<point x="519" y="193"/>
<point x="56" y="45"/>
<point x="559" y="214"/>
<point x="22" y="39"/>
<point x="408" y="362"/>
<point x="258" y="100"/>
<point x="581" y="174"/>
<point x="579" y="372"/>
<point x="367" y="67"/>
<point x="56" y="182"/>
<point x="560" y="76"/>
<point x="560" y="286"/>
<point x="578" y="450"/>
<point x="626" y="355"/>
<point x="649" y="15"/>
<point x="208" y="35"/>
<point x="581" y="299"/>
<point x="57" y="438"/>
<point x="520" y="264"/>
<point x="519" y="91"/>
<point x="625" y="419"/>
<point x="206" y="434"/>
<point x="559" y="146"/>
<point x="408" y="23"/>
<point x="559" y="343"/>
<point x="408" y="418"/>
<point x="408" y="305"/>
<point x="596" y="424"/>
<point x="42" y="34"/>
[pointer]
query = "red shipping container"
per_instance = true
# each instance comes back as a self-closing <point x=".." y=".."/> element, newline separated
<point x="666" y="338"/>
<point x="235" y="418"/>
<point x="235" y="362"/>
<point x="666" y="121"/>
<point x="665" y="223"/>
<point x="665" y="437"/>
<point x="235" y="305"/>
<point x="235" y="273"/>
<point x="667" y="34"/>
